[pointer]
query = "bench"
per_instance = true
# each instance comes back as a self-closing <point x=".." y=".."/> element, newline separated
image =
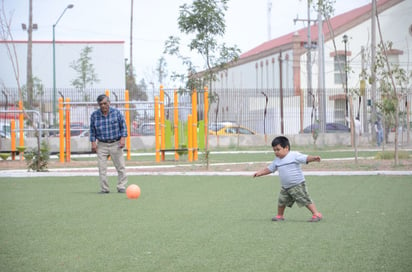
<point x="180" y="151"/>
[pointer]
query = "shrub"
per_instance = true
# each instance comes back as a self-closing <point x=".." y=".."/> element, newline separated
<point x="38" y="161"/>
<point x="389" y="155"/>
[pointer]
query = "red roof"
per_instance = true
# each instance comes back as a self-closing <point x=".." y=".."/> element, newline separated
<point x="9" y="115"/>
<point x="337" y="22"/>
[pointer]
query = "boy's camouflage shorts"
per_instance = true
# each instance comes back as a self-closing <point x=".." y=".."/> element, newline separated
<point x="298" y="194"/>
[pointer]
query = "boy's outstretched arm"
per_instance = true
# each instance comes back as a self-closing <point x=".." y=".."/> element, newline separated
<point x="313" y="159"/>
<point x="262" y="172"/>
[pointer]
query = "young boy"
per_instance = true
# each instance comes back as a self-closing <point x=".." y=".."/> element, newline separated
<point x="291" y="177"/>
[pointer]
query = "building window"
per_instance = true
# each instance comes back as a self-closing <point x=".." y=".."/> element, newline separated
<point x="393" y="56"/>
<point x="339" y="71"/>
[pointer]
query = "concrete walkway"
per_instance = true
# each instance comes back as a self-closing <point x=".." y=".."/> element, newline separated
<point x="176" y="169"/>
<point x="167" y="170"/>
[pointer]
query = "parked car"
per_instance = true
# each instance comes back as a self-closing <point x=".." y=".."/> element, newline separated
<point x="219" y="125"/>
<point x="146" y="129"/>
<point x="4" y="135"/>
<point x="232" y="130"/>
<point x="76" y="129"/>
<point x="330" y="128"/>
<point x="85" y="133"/>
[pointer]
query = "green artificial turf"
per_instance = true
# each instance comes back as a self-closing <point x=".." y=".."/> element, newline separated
<point x="204" y="223"/>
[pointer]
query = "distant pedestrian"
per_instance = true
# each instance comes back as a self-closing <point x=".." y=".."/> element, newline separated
<point x="292" y="180"/>
<point x="107" y="134"/>
<point x="379" y="132"/>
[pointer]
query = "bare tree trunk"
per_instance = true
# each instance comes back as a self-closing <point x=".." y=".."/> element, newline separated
<point x="6" y="34"/>
<point x="394" y="90"/>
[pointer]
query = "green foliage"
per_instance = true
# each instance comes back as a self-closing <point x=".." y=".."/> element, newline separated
<point x="161" y="69"/>
<point x="38" y="91"/>
<point x="205" y="21"/>
<point x="182" y="152"/>
<point x="85" y="72"/>
<point x="392" y="81"/>
<point x="390" y="155"/>
<point x="315" y="132"/>
<point x="38" y="161"/>
<point x="137" y="91"/>
<point x="326" y="7"/>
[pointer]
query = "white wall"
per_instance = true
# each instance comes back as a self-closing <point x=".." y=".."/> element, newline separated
<point x="247" y="76"/>
<point x="107" y="58"/>
<point x="394" y="22"/>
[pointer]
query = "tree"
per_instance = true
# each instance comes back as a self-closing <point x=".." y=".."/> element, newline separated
<point x="136" y="91"/>
<point x="6" y="34"/>
<point x="393" y="82"/>
<point x="161" y="69"/>
<point x="205" y="20"/>
<point x="85" y="72"/>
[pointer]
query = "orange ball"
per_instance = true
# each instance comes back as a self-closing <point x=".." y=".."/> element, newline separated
<point x="133" y="191"/>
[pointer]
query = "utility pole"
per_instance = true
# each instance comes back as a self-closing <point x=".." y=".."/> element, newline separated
<point x="309" y="46"/>
<point x="282" y="131"/>
<point x="131" y="49"/>
<point x="29" y="78"/>
<point x="321" y="75"/>
<point x="309" y="54"/>
<point x="373" y="61"/>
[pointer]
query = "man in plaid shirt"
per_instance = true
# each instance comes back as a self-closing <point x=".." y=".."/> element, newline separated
<point x="107" y="134"/>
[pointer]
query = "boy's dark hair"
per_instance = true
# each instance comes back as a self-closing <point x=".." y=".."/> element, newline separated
<point x="282" y="141"/>
<point x="101" y="97"/>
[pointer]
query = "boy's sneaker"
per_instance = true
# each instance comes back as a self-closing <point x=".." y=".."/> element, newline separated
<point x="316" y="218"/>
<point x="278" y="218"/>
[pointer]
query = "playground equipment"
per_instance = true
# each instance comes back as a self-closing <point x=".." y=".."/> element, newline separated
<point x="20" y="148"/>
<point x="182" y="134"/>
<point x="65" y="135"/>
<point x="164" y="131"/>
<point x="195" y="136"/>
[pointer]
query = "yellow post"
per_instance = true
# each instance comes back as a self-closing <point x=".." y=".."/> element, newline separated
<point x="107" y="93"/>
<point x="156" y="116"/>
<point x="194" y="124"/>
<point x="61" y="129"/>
<point x="176" y="123"/>
<point x="127" y="114"/>
<point x="206" y="99"/>
<point x="21" y="125"/>
<point x="68" y="134"/>
<point x="13" y="139"/>
<point x="189" y="138"/>
<point x="162" y="121"/>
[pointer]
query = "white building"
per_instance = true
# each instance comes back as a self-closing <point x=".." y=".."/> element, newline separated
<point x="281" y="64"/>
<point x="107" y="58"/>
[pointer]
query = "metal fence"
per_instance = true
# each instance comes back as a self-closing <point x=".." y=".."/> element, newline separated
<point x="267" y="111"/>
<point x="273" y="112"/>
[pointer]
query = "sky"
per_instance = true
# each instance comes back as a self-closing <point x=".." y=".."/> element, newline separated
<point x="154" y="21"/>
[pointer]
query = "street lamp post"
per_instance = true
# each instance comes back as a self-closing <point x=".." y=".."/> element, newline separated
<point x="345" y="41"/>
<point x="54" y="64"/>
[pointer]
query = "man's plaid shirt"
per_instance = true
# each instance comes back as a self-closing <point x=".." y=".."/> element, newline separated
<point x="107" y="128"/>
